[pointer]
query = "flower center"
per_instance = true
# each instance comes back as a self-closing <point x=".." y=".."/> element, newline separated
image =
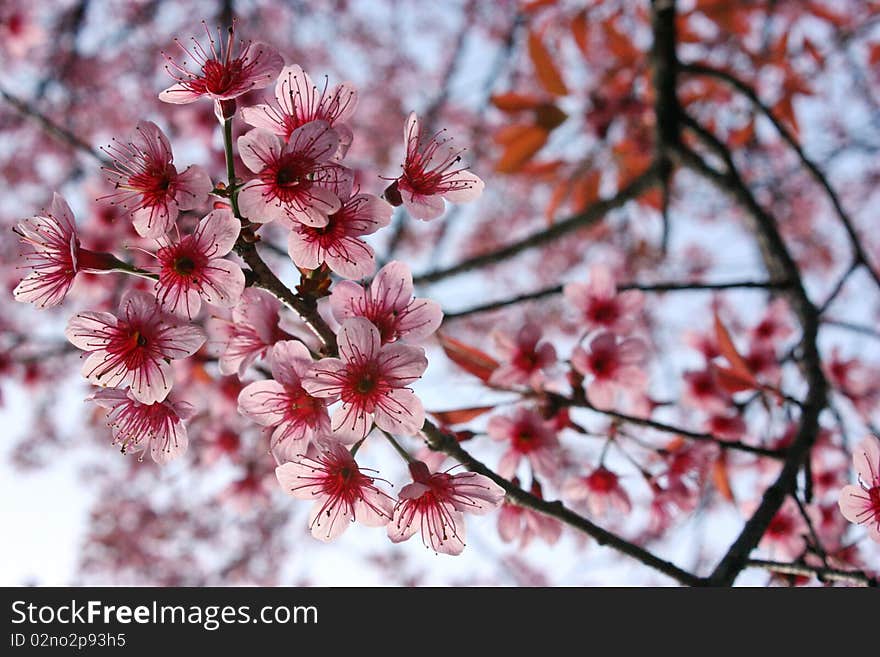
<point x="184" y="265"/>
<point x="366" y="384"/>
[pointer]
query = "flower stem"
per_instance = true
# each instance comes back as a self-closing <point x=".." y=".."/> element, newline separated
<point x="400" y="450"/>
<point x="230" y="165"/>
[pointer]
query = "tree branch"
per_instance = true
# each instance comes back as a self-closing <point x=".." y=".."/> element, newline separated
<point x="588" y="217"/>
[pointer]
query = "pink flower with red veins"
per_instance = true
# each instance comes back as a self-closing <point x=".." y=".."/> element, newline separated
<point x="389" y="304"/>
<point x="599" y="304"/>
<point x="530" y="437"/>
<point x="55" y="256"/>
<point x="435" y="504"/>
<point x="342" y="492"/>
<point x="148" y="184"/>
<point x="370" y="379"/>
<point x="861" y="504"/>
<point x="156" y="428"/>
<point x="282" y="403"/>
<point x="518" y="522"/>
<point x="601" y="490"/>
<point x="702" y="390"/>
<point x="615" y="367"/>
<point x="301" y="101"/>
<point x="337" y="244"/>
<point x="431" y="173"/>
<point x="251" y="333"/>
<point x="297" y="181"/>
<point x="221" y="77"/>
<point x="135" y="347"/>
<point x="526" y="357"/>
<point x="193" y="268"/>
<point x="786" y="531"/>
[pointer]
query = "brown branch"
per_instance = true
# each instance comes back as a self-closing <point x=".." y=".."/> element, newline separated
<point x="848" y="225"/>
<point x="780" y="265"/>
<point x="643" y="287"/>
<point x="439" y="441"/>
<point x="581" y="401"/>
<point x="588" y="217"/>
<point x="60" y="133"/>
<point x="823" y="574"/>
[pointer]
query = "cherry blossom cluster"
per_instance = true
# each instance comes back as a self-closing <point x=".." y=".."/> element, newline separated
<point x="317" y="403"/>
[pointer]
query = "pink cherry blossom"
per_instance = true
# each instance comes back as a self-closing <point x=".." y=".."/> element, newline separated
<point x="137" y="427"/>
<point x="297" y="181"/>
<point x="530" y="437"/>
<point x="251" y="332"/>
<point x="520" y="523"/>
<point x="337" y="244"/>
<point x="342" y="492"/>
<point x="135" y="347"/>
<point x="300" y="101"/>
<point x="55" y="256"/>
<point x="282" y="403"/>
<point x="193" y="268"/>
<point x="370" y="379"/>
<point x="389" y="304"/>
<point x="148" y="184"/>
<point x="614" y="365"/>
<point x="702" y="390"/>
<point x="601" y="490"/>
<point x="861" y="504"/>
<point x="221" y="77"/>
<point x="435" y="504"/>
<point x="599" y="304"/>
<point x="785" y="533"/>
<point x="525" y="357"/>
<point x="431" y="173"/>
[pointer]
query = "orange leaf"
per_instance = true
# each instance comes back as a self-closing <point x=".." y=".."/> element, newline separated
<point x="557" y="197"/>
<point x="545" y="68"/>
<point x="727" y="349"/>
<point x="721" y="478"/>
<point x="580" y="30"/>
<point x="460" y="415"/>
<point x="586" y="190"/>
<point x="470" y="359"/>
<point x="784" y="109"/>
<point x="732" y="381"/>
<point x="512" y="102"/>
<point x="520" y="149"/>
<point x="548" y="116"/>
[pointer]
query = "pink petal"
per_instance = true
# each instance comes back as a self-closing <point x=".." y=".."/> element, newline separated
<point x="324" y="378"/>
<point x="257" y="148"/>
<point x="259" y="206"/>
<point x="602" y="282"/>
<point x="169" y="446"/>
<point x="866" y="461"/>
<point x="290" y="361"/>
<point x="509" y="463"/>
<point x="401" y="363"/>
<point x="420" y="320"/>
<point x="303" y="252"/>
<point x="85" y="330"/>
<point x="179" y="95"/>
<point x="349" y="424"/>
<point x="500" y="427"/>
<point x="601" y="394"/>
<point x="95" y="370"/>
<point x="854" y="503"/>
<point x="154" y="221"/>
<point x="483" y="494"/>
<point x="262" y="116"/>
<point x="329" y="523"/>
<point x="258" y="401"/>
<point x="358" y="340"/>
<point x="192" y="187"/>
<point x="316" y="139"/>
<point x="183" y="340"/>
<point x="151" y="382"/>
<point x="223" y="283"/>
<point x="266" y="65"/>
<point x="352" y="259"/>
<point x="343" y="298"/>
<point x="472" y="187"/>
<point x="400" y="412"/>
<point x="421" y="207"/>
<point x="393" y="287"/>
